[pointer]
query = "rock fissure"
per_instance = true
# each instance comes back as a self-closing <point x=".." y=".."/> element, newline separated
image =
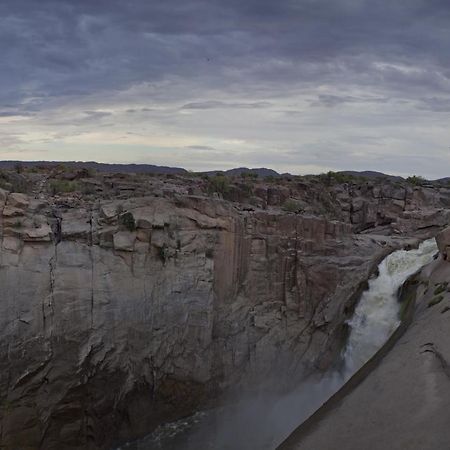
<point x="445" y="366"/>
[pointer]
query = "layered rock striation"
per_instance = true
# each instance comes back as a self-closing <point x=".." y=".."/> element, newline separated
<point x="131" y="305"/>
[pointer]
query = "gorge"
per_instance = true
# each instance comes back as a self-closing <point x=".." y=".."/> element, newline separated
<point x="130" y="301"/>
<point x="263" y="422"/>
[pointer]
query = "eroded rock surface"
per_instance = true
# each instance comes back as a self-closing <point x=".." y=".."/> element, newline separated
<point x="137" y="301"/>
<point x="403" y="403"/>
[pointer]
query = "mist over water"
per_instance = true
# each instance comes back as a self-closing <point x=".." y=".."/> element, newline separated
<point x="262" y="422"/>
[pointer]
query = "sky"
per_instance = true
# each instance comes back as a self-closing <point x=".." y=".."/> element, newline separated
<point x="300" y="86"/>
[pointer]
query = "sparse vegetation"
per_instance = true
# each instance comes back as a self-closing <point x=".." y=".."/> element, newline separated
<point x="163" y="253"/>
<point x="63" y="186"/>
<point x="127" y="220"/>
<point x="415" y="180"/>
<point x="191" y="174"/>
<point x="251" y="175"/>
<point x="14" y="182"/>
<point x="87" y="189"/>
<point x="292" y="205"/>
<point x="5" y="185"/>
<point x="435" y="300"/>
<point x="337" y="177"/>
<point x="62" y="168"/>
<point x="440" y="288"/>
<point x="219" y="183"/>
<point x="247" y="188"/>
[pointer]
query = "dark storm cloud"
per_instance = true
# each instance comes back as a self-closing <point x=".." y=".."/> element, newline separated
<point x="53" y="50"/>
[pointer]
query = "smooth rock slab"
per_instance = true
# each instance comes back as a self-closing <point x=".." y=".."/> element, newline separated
<point x="124" y="241"/>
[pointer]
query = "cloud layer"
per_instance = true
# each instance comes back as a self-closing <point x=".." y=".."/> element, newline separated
<point x="298" y="85"/>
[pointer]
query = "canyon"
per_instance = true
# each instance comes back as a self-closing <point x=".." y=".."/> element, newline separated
<point x="130" y="300"/>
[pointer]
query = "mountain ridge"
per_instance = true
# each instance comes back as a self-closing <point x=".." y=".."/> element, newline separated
<point x="157" y="169"/>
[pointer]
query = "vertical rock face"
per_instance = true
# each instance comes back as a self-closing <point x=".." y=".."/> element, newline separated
<point x="408" y="390"/>
<point x="118" y="315"/>
<point x="443" y="242"/>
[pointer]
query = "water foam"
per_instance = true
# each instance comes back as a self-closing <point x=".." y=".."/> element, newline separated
<point x="377" y="314"/>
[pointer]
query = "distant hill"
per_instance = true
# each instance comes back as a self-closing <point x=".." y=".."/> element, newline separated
<point x="370" y="174"/>
<point x="445" y="180"/>
<point x="100" y="167"/>
<point x="150" y="168"/>
<point x="261" y="172"/>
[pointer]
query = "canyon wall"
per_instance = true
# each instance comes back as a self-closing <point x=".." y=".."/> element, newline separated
<point x="120" y="313"/>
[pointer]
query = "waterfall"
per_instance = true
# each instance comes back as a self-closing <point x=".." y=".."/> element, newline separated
<point x="377" y="314"/>
<point x="262" y="423"/>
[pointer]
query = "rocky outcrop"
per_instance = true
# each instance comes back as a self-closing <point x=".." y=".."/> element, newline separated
<point x="372" y="205"/>
<point x="137" y="301"/>
<point x="403" y="403"/>
<point x="443" y="242"/>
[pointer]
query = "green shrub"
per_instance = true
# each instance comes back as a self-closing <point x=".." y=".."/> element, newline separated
<point x="127" y="220"/>
<point x="246" y="188"/>
<point x="415" y="180"/>
<point x="292" y="205"/>
<point x="63" y="186"/>
<point x="163" y="253"/>
<point x="435" y="301"/>
<point x="441" y="288"/>
<point x="337" y="177"/>
<point x="219" y="184"/>
<point x="87" y="189"/>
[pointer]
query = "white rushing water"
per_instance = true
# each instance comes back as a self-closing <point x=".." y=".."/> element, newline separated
<point x="377" y="314"/>
<point x="263" y="422"/>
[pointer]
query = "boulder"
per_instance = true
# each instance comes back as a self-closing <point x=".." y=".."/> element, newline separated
<point x="443" y="243"/>
<point x="124" y="241"/>
<point x="40" y="234"/>
<point x="18" y="200"/>
<point x="109" y="211"/>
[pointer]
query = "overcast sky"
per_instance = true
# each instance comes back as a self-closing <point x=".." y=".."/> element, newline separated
<point x="296" y="85"/>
